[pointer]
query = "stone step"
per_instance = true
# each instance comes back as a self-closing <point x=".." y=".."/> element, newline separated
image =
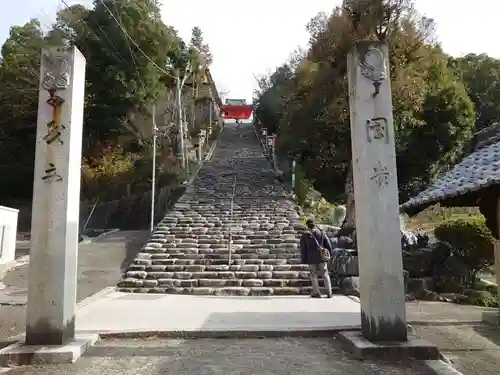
<point x="214" y="283"/>
<point x="222" y="291"/>
<point x="237" y="258"/>
<point x="188" y="253"/>
<point x="179" y="265"/>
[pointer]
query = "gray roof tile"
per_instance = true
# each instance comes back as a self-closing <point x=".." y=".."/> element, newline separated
<point x="479" y="170"/>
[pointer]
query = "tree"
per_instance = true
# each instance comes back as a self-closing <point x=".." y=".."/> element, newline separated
<point x="201" y="47"/>
<point x="19" y="77"/>
<point x="132" y="58"/>
<point x="481" y="76"/>
<point x="308" y="106"/>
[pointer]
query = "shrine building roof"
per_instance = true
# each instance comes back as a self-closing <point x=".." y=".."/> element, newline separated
<point x="476" y="177"/>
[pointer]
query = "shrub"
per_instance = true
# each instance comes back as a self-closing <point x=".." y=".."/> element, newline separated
<point x="303" y="187"/>
<point x="482" y="298"/>
<point x="99" y="174"/>
<point x="471" y="241"/>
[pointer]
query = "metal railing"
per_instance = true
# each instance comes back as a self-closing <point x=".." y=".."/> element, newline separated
<point x="231" y="221"/>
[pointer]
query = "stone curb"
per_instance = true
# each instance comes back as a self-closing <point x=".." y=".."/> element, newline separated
<point x="89" y="240"/>
<point x="440" y="367"/>
<point x="94" y="297"/>
<point x="225" y="334"/>
<point x="6" y="267"/>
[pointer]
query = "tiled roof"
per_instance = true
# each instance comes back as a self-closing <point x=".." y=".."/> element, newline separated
<point x="479" y="170"/>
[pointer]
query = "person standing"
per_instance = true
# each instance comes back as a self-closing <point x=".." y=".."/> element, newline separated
<point x="316" y="251"/>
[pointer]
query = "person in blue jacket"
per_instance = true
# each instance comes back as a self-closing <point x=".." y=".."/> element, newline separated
<point x="309" y="251"/>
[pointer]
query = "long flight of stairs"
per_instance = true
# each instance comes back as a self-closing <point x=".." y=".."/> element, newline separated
<point x="235" y="195"/>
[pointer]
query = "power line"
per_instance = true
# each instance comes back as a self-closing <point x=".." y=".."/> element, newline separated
<point x="134" y="42"/>
<point x="131" y="54"/>
<point x="120" y="57"/>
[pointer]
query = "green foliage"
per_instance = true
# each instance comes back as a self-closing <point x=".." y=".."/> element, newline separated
<point x="124" y="76"/>
<point x="482" y="298"/>
<point x="303" y="187"/>
<point x="112" y="167"/>
<point x="481" y="76"/>
<point x="306" y="100"/>
<point x="311" y="201"/>
<point x="490" y="287"/>
<point x="471" y="241"/>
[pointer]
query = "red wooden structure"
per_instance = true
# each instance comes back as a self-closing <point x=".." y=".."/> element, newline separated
<point x="237" y="112"/>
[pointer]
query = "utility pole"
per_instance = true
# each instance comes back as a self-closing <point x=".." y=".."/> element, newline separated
<point x="180" y="85"/>
<point x="209" y="122"/>
<point x="153" y="172"/>
<point x="181" y="125"/>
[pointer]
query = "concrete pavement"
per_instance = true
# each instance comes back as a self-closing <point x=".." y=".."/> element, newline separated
<point x="124" y="314"/>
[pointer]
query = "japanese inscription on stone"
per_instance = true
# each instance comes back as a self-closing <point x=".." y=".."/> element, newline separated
<point x="51" y="174"/>
<point x="56" y="76"/>
<point x="380" y="175"/>
<point x="373" y="67"/>
<point x="55" y="72"/>
<point x="376" y="128"/>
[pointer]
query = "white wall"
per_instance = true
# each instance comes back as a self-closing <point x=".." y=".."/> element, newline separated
<point x="8" y="233"/>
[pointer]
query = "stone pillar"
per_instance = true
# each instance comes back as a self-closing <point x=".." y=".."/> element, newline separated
<point x="56" y="198"/>
<point x="493" y="316"/>
<point x="382" y="295"/>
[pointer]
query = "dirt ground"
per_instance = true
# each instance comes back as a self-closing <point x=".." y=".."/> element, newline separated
<point x="471" y="345"/>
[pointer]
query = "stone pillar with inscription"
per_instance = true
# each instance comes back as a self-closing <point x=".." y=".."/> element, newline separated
<point x="56" y="198"/>
<point x="382" y="294"/>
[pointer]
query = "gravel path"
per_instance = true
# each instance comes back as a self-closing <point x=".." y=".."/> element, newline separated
<point x="224" y="357"/>
<point x="472" y="346"/>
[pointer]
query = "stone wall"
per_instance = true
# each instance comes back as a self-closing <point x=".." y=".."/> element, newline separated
<point x="128" y="213"/>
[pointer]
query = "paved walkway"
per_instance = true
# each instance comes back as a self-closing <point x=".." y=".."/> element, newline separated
<point x="167" y="314"/>
<point x="99" y="266"/>
<point x="297" y="356"/>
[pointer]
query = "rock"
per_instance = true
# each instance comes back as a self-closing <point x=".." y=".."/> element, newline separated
<point x="339" y="214"/>
<point x="417" y="286"/>
<point x="345" y="262"/>
<point x="422" y="262"/>
<point x="455" y="297"/>
<point x="349" y="286"/>
<point x="426" y="295"/>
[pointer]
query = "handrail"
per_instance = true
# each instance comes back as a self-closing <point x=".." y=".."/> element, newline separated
<point x="230" y="245"/>
<point x="90" y="215"/>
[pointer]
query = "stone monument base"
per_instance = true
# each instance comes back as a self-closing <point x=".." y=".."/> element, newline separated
<point x="19" y="354"/>
<point x="415" y="348"/>
<point x="492" y="317"/>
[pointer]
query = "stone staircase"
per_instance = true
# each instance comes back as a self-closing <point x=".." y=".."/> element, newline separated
<point x="235" y="198"/>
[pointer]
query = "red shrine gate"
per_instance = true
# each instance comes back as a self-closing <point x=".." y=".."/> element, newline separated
<point x="237" y="109"/>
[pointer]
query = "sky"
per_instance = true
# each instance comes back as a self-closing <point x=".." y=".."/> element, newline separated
<point x="251" y="38"/>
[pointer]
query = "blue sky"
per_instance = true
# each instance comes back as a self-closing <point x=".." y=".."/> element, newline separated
<point x="464" y="26"/>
